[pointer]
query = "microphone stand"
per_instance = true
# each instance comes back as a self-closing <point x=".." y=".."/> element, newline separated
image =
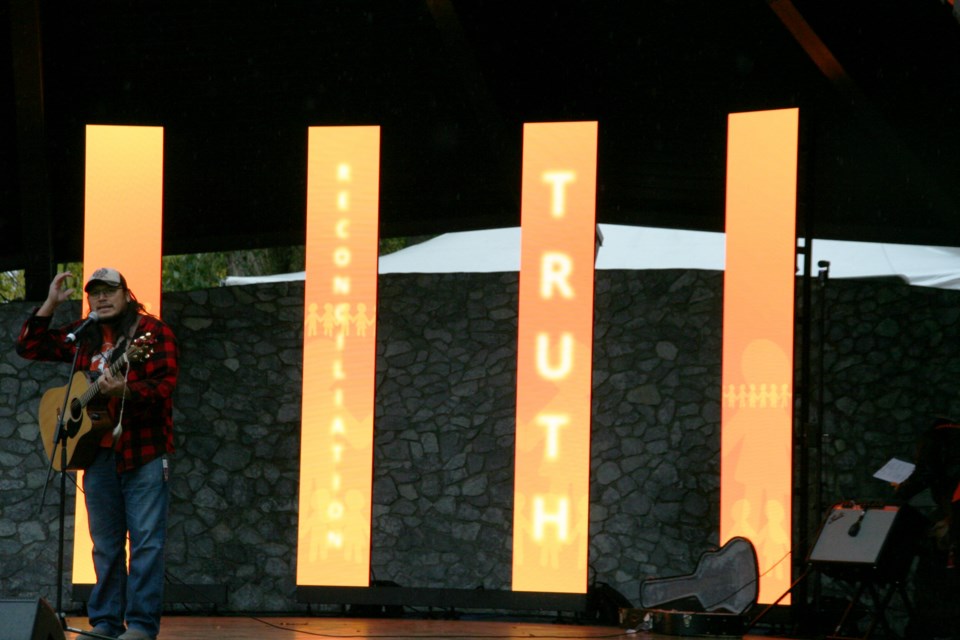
<point x="823" y="276"/>
<point x="60" y="437"/>
<point x="819" y="435"/>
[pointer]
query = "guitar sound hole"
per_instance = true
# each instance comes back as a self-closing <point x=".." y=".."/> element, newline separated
<point x="75" y="418"/>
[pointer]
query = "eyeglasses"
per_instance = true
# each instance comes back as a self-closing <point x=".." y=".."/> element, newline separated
<point x="106" y="292"/>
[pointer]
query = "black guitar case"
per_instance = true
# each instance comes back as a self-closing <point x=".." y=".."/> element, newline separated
<point x="713" y="600"/>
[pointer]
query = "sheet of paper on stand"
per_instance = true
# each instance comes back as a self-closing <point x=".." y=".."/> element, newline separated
<point x="895" y="471"/>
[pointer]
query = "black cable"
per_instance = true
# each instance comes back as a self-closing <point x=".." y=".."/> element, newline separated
<point x="749" y="583"/>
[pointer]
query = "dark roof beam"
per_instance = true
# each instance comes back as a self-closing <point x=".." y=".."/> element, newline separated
<point x="32" y="176"/>
<point x="869" y="115"/>
<point x="472" y="83"/>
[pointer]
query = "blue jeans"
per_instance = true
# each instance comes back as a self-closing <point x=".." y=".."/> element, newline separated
<point x="134" y="501"/>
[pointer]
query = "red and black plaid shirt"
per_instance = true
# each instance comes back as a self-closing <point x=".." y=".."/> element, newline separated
<point x="148" y="412"/>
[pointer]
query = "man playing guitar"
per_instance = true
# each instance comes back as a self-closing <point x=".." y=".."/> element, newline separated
<point x="125" y="483"/>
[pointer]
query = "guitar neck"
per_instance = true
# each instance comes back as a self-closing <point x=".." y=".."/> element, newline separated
<point x="94" y="389"/>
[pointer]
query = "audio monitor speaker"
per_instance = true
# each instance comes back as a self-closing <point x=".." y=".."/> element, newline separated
<point x="854" y="540"/>
<point x="32" y="619"/>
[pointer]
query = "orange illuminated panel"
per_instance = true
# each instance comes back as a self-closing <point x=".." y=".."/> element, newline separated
<point x="758" y="320"/>
<point x="554" y="360"/>
<point x="123" y="228"/>
<point x="339" y="356"/>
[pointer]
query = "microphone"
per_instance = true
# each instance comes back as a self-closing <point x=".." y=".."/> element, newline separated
<point x="91" y="319"/>
<point x="854" y="529"/>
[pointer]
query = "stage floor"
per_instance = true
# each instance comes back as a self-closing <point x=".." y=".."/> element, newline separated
<point x="302" y="628"/>
<point x="296" y="628"/>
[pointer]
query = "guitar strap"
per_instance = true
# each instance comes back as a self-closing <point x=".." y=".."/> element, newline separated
<point x="121" y="343"/>
<point x="126" y="338"/>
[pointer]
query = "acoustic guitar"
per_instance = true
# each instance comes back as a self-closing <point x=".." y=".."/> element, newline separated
<point x="84" y="424"/>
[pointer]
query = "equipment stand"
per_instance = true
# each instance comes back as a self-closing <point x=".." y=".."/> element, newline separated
<point x="60" y="437"/>
<point x="878" y="614"/>
<point x="865" y="585"/>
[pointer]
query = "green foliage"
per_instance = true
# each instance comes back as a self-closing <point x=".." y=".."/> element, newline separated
<point x="264" y="262"/>
<point x="12" y="286"/>
<point x="76" y="268"/>
<point x="193" y="271"/>
<point x="189" y="272"/>
<point x="391" y="245"/>
<point x="205" y="270"/>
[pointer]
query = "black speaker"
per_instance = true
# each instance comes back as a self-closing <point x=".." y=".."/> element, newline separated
<point x="29" y="620"/>
<point x="605" y="604"/>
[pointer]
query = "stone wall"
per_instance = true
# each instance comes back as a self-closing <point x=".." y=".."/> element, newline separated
<point x="445" y="401"/>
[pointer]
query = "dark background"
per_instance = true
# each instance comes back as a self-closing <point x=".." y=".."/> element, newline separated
<point x="451" y="82"/>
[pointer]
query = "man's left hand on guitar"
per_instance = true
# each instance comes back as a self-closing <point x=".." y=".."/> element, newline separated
<point x="112" y="385"/>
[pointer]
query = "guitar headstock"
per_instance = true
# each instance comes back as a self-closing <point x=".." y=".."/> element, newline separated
<point x="141" y="348"/>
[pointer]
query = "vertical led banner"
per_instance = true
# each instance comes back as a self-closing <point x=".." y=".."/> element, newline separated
<point x="554" y="357"/>
<point x="758" y="321"/>
<point x="123" y="229"/>
<point x="339" y="356"/>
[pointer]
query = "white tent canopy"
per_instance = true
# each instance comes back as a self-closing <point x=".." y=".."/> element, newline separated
<point x="640" y="248"/>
